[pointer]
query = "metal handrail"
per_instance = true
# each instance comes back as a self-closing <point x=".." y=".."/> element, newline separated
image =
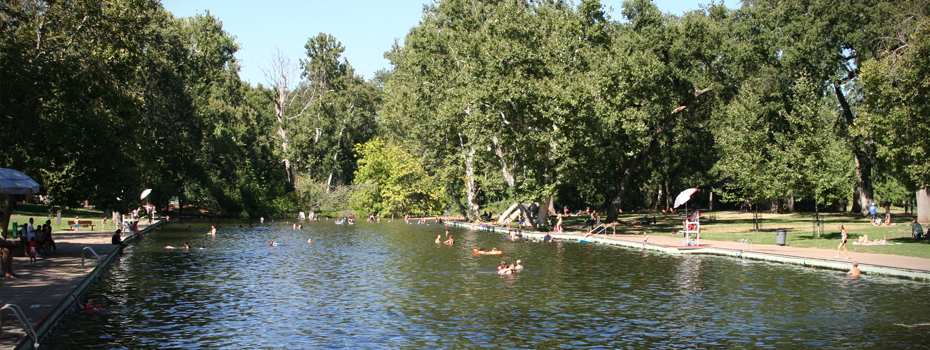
<point x="745" y="241"/>
<point x="22" y="320"/>
<point x="92" y="252"/>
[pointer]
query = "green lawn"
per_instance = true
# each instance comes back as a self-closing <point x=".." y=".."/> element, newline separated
<point x="41" y="213"/>
<point x="734" y="226"/>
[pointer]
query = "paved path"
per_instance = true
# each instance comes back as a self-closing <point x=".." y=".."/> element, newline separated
<point x="869" y="263"/>
<point x="45" y="287"/>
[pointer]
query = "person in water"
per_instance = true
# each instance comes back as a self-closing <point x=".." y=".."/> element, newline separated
<point x="203" y="246"/>
<point x="213" y="230"/>
<point x="186" y="246"/>
<point x="438" y="239"/>
<point x="310" y="240"/>
<point x="506" y="271"/>
<point x="450" y="241"/>
<point x="519" y="266"/>
<point x="854" y="272"/>
<point x="645" y="239"/>
<point x="271" y="244"/>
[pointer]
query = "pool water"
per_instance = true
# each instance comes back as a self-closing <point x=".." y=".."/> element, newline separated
<point x="389" y="286"/>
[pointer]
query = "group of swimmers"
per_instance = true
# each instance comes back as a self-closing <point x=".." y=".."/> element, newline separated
<point x="448" y="241"/>
<point x="504" y="269"/>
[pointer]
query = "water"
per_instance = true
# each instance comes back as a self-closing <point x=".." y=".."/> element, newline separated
<point x="389" y="286"/>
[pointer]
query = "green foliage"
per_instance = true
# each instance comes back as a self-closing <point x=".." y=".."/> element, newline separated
<point x="392" y="182"/>
<point x="896" y="89"/>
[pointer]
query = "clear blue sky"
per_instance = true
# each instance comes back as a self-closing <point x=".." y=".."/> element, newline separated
<point x="366" y="28"/>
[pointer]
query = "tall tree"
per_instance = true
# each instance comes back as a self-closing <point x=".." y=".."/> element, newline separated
<point x="896" y="90"/>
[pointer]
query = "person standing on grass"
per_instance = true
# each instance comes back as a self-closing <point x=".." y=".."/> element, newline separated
<point x="842" y="243"/>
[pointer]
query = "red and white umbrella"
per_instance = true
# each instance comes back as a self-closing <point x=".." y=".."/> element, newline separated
<point x="684" y="197"/>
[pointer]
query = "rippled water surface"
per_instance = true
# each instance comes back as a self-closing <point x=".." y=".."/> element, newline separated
<point x="389" y="285"/>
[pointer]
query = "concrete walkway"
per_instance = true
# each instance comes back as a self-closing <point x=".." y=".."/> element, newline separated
<point x="44" y="288"/>
<point x="870" y="263"/>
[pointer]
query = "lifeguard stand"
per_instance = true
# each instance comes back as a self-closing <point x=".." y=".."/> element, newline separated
<point x="692" y="227"/>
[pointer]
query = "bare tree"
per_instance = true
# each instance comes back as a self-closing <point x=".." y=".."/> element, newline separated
<point x="293" y="95"/>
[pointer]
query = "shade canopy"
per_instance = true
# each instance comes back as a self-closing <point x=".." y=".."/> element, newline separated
<point x="15" y="182"/>
<point x="145" y="193"/>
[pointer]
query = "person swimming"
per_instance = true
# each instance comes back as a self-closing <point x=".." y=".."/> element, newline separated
<point x="438" y="239"/>
<point x="186" y="246"/>
<point x="310" y="240"/>
<point x="169" y="247"/>
<point x="518" y="266"/>
<point x="272" y="244"/>
<point x="450" y="241"/>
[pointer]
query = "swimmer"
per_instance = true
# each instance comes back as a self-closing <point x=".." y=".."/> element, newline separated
<point x="854" y="272"/>
<point x="294" y="226"/>
<point x="213" y="230"/>
<point x="447" y="232"/>
<point x="310" y="240"/>
<point x="438" y="239"/>
<point x="203" y="246"/>
<point x="450" y="241"/>
<point x="186" y="247"/>
<point x="518" y="266"/>
<point x="513" y="235"/>
<point x="271" y="244"/>
<point x="169" y="247"/>
<point x="506" y="271"/>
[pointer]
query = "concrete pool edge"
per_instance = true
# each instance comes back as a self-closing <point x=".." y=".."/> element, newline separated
<point x="48" y="322"/>
<point x="869" y="266"/>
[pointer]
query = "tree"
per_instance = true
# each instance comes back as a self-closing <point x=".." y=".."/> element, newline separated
<point x="896" y="89"/>
<point x="392" y="182"/>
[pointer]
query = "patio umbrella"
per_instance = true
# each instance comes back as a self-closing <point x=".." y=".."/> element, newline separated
<point x="15" y="182"/>
<point x="145" y="193"/>
<point x="684" y="196"/>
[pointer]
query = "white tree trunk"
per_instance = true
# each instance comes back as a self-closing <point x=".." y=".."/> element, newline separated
<point x="923" y="206"/>
<point x="471" y="189"/>
<point x="542" y="214"/>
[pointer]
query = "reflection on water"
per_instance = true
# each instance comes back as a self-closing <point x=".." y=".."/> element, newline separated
<point x="389" y="286"/>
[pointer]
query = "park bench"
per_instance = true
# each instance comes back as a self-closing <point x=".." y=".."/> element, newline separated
<point x="82" y="223"/>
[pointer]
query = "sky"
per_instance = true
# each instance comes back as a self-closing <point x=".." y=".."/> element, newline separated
<point x="366" y="28"/>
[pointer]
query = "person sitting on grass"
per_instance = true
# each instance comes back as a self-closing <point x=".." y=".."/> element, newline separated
<point x="916" y="230"/>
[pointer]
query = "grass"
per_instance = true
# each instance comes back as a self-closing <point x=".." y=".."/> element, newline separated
<point x="41" y="213"/>
<point x="734" y="226"/>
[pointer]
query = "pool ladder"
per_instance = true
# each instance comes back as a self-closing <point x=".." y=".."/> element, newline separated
<point x="745" y="242"/>
<point x="602" y="228"/>
<point x="91" y="251"/>
<point x="30" y="332"/>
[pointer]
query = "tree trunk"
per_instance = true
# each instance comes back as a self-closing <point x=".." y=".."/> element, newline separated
<point x="458" y="202"/>
<point x="9" y="202"/>
<point x="509" y="177"/>
<point x="863" y="149"/>
<point x="635" y="162"/>
<point x="923" y="206"/>
<point x="542" y="214"/>
<point x="789" y="203"/>
<point x="471" y="189"/>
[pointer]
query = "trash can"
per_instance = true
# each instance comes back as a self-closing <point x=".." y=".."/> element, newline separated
<point x="780" y="236"/>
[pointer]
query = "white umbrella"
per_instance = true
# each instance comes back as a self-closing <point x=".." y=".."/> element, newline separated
<point x="145" y="193"/>
<point x="15" y="182"/>
<point x="684" y="197"/>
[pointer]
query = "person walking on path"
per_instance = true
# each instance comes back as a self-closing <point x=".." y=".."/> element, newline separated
<point x="842" y="243"/>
